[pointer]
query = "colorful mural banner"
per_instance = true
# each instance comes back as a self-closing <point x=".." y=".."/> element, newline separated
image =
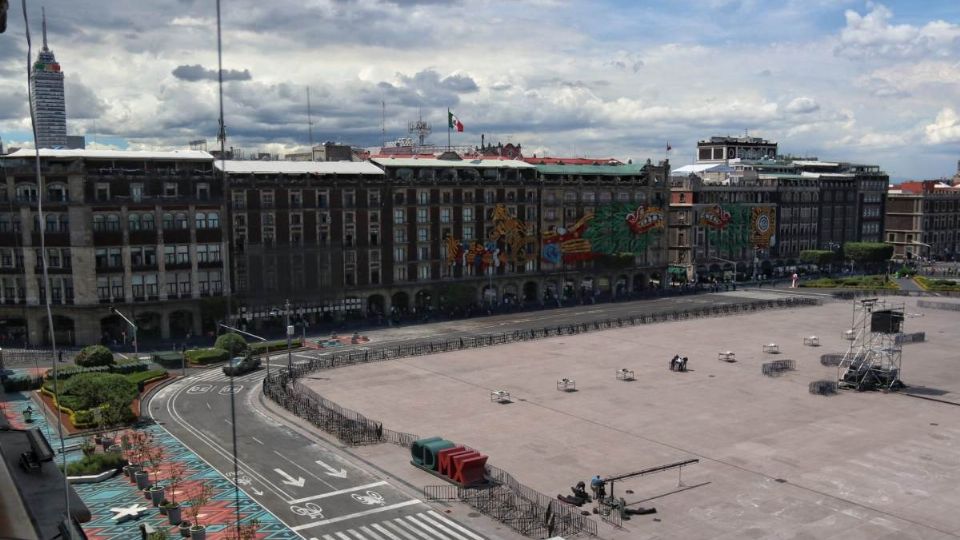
<point x="733" y="227"/>
<point x="506" y="243"/>
<point x="615" y="229"/>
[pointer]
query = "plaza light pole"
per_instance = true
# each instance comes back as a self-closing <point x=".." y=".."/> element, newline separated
<point x="289" y="335"/>
<point x="136" y="344"/>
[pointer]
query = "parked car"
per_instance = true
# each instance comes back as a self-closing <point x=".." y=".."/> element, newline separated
<point x="239" y="365"/>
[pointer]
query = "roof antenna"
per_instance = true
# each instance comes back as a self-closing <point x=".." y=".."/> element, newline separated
<point x="310" y="123"/>
<point x="383" y="123"/>
<point x="43" y="11"/>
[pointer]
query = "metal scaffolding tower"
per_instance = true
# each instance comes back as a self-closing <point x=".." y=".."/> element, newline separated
<point x="874" y="358"/>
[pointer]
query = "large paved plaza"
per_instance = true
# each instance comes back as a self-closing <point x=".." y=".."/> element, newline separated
<point x="775" y="461"/>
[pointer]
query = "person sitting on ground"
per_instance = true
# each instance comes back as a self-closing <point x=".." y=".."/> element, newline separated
<point x="683" y="364"/>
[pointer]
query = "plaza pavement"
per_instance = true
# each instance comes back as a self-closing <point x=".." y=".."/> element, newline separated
<point x="775" y="461"/>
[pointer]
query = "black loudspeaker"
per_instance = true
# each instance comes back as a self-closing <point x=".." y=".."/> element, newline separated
<point x="886" y="322"/>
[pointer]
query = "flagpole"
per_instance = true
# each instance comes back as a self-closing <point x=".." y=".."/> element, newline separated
<point x="449" y="128"/>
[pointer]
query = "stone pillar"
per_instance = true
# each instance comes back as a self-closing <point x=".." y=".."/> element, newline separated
<point x="164" y="324"/>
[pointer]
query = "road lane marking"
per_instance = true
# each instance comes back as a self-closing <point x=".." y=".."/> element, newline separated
<point x="385" y="532"/>
<point x="258" y="440"/>
<point x="403" y="524"/>
<point x="297" y="465"/>
<point x="399" y="530"/>
<point x="370" y="533"/>
<point x="356" y="515"/>
<point x="289" y="480"/>
<point x="208" y="406"/>
<point x="338" y="492"/>
<point x="450" y="532"/>
<point x="454" y="524"/>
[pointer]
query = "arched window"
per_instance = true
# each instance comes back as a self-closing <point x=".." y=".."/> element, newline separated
<point x="56" y="192"/>
<point x="64" y="222"/>
<point x="213" y="220"/>
<point x="181" y="221"/>
<point x="113" y="222"/>
<point x="51" y="223"/>
<point x="133" y="222"/>
<point x="99" y="222"/>
<point x="147" y="222"/>
<point x="167" y="221"/>
<point x="201" y="220"/>
<point x="27" y="192"/>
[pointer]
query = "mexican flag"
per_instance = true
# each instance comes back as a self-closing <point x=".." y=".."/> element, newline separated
<point x="453" y="122"/>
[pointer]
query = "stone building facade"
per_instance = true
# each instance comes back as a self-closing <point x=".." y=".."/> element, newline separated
<point x="136" y="231"/>
<point x="923" y="220"/>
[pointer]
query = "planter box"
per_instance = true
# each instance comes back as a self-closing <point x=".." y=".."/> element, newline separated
<point x="92" y="479"/>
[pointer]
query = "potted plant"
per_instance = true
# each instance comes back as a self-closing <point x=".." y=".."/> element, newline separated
<point x="159" y="534"/>
<point x="174" y="478"/>
<point x="247" y="531"/>
<point x="142" y="478"/>
<point x="155" y="456"/>
<point x="198" y="500"/>
<point x="164" y="504"/>
<point x="125" y="442"/>
<point x="185" y="528"/>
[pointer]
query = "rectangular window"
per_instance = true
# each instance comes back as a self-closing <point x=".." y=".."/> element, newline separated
<point x="203" y="191"/>
<point x="467" y="215"/>
<point x="400" y="273"/>
<point x="445" y="215"/>
<point x="373" y="199"/>
<point x="398" y="216"/>
<point x="266" y="198"/>
<point x="103" y="191"/>
<point x="103" y="288"/>
<point x="423" y="253"/>
<point x="423" y="272"/>
<point x="296" y="199"/>
<point x="349" y="199"/>
<point x="423" y="234"/>
<point x="423" y="197"/>
<point x="400" y="236"/>
<point x="423" y="215"/>
<point x="399" y="254"/>
<point x="169" y="189"/>
<point x="468" y="233"/>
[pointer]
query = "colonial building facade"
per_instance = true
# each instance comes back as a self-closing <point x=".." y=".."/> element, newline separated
<point x="923" y="220"/>
<point x="136" y="231"/>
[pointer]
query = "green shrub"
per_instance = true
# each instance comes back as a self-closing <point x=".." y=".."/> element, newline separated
<point x="84" y="418"/>
<point x="143" y="376"/>
<point x="278" y="345"/>
<point x="207" y="356"/>
<point x="91" y="390"/>
<point x="21" y="383"/>
<point x="96" y="464"/>
<point x="122" y="366"/>
<point x="232" y="342"/>
<point x="94" y="355"/>
<point x="168" y="359"/>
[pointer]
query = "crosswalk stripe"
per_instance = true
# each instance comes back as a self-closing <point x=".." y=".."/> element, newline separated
<point x="341" y="536"/>
<point x="453" y="524"/>
<point x="427" y="526"/>
<point x="327" y="537"/>
<point x="385" y="532"/>
<point x="371" y="534"/>
<point x="399" y="530"/>
<point x="411" y="528"/>
<point x="355" y="534"/>
<point x="443" y="527"/>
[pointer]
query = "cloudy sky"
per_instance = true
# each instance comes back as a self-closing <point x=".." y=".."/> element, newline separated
<point x="854" y="80"/>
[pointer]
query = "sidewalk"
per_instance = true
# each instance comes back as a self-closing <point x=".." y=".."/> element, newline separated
<point x="119" y="491"/>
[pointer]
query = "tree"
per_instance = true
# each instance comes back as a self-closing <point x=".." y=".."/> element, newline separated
<point x="93" y="390"/>
<point x="246" y="531"/>
<point x="232" y="343"/>
<point x="198" y="500"/>
<point x="94" y="355"/>
<point x="867" y="252"/>
<point x="174" y="479"/>
<point x="819" y="257"/>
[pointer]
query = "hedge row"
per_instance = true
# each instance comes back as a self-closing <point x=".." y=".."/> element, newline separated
<point x="122" y="367"/>
<point x="937" y="285"/>
<point x="21" y="383"/>
<point x="278" y="345"/>
<point x="96" y="464"/>
<point x="207" y="356"/>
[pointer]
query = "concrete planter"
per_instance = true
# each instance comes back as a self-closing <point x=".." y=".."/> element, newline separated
<point x="142" y="478"/>
<point x="173" y="514"/>
<point x="198" y="533"/>
<point x="131" y="470"/>
<point x="156" y="495"/>
<point x="92" y="479"/>
<point x="185" y="529"/>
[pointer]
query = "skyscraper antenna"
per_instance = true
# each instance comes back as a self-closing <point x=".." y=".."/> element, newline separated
<point x="43" y="11"/>
<point x="310" y="123"/>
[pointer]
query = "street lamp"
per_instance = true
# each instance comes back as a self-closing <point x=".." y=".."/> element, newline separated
<point x="136" y="343"/>
<point x="730" y="262"/>
<point x="254" y="336"/>
<point x="289" y="335"/>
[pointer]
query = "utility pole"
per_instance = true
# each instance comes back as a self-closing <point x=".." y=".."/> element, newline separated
<point x="136" y="344"/>
<point x="289" y="335"/>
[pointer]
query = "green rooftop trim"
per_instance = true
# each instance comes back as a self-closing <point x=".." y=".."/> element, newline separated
<point x="603" y="170"/>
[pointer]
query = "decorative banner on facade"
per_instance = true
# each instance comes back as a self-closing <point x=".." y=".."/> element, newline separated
<point x="507" y="243"/>
<point x="645" y="219"/>
<point x="615" y="229"/>
<point x="715" y="218"/>
<point x="764" y="224"/>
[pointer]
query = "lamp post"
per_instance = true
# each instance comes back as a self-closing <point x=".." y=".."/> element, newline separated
<point x="254" y="336"/>
<point x="289" y="335"/>
<point x="136" y="343"/>
<point x="730" y="262"/>
<point x="832" y="246"/>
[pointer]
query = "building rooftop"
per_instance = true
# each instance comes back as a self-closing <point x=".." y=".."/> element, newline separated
<point x="698" y="168"/>
<point x="494" y="163"/>
<point x="299" y="167"/>
<point x="111" y="154"/>
<point x="546" y="160"/>
<point x="603" y="170"/>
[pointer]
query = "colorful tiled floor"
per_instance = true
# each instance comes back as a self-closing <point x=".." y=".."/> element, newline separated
<point x="218" y="515"/>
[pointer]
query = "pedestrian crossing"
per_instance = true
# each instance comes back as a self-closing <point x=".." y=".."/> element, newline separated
<point x="423" y="526"/>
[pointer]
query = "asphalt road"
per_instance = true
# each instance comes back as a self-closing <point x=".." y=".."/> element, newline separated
<point x="314" y="488"/>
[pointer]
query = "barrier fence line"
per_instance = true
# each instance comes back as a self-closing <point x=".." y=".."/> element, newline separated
<point x="949" y="306"/>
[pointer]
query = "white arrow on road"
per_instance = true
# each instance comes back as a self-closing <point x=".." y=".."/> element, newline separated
<point x="256" y="491"/>
<point x="342" y="473"/>
<point x="289" y="480"/>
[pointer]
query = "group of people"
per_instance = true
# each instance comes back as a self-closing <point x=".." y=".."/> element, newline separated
<point x="678" y="363"/>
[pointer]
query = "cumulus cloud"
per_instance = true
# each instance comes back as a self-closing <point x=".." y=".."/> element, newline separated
<point x="196" y="72"/>
<point x="945" y="128"/>
<point x="873" y="36"/>
<point x="82" y="102"/>
<point x="802" y="105"/>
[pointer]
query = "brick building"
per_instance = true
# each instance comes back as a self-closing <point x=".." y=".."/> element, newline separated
<point x="923" y="220"/>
